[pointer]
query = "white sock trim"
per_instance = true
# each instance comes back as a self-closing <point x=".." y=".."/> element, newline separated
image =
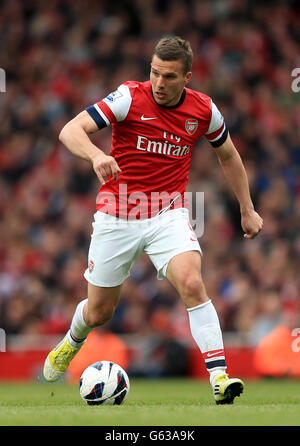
<point x="72" y="341"/>
<point x="199" y="306"/>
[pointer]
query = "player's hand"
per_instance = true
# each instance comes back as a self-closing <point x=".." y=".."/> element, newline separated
<point x="104" y="166"/>
<point x="251" y="222"/>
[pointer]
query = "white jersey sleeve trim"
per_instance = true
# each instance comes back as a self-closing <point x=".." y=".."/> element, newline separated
<point x="216" y="121"/>
<point x="119" y="102"/>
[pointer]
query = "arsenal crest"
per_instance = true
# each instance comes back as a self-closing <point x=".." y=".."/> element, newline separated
<point x="191" y="126"/>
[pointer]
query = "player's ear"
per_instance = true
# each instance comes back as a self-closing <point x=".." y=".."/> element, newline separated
<point x="188" y="77"/>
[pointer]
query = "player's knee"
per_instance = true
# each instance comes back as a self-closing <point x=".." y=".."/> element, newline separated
<point x="193" y="290"/>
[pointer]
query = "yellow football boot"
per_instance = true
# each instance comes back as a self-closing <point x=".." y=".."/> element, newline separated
<point x="225" y="389"/>
<point x="58" y="360"/>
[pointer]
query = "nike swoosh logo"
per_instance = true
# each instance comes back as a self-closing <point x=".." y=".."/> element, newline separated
<point x="147" y="119"/>
<point x="214" y="354"/>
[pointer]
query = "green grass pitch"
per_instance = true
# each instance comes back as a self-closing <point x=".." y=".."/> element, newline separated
<point x="158" y="402"/>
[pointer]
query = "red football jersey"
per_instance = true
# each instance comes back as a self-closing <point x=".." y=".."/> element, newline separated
<point x="152" y="145"/>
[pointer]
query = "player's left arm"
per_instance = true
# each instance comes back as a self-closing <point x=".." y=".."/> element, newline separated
<point x="236" y="175"/>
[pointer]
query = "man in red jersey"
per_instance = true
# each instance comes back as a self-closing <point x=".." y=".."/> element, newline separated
<point x="141" y="205"/>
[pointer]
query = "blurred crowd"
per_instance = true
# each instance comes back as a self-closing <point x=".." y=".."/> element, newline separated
<point x="62" y="56"/>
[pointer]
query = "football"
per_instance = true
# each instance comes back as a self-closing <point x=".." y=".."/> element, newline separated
<point x="104" y="382"/>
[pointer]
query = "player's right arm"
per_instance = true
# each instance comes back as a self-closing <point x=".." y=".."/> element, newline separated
<point x="75" y="136"/>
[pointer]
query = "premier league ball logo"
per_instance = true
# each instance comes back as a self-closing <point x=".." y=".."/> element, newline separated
<point x="191" y="126"/>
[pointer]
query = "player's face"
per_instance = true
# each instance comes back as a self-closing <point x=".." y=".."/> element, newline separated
<point x="168" y="80"/>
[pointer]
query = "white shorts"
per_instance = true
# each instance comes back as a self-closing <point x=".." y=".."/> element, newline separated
<point x="116" y="244"/>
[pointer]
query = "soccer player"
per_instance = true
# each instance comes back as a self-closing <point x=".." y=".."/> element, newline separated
<point x="140" y="205"/>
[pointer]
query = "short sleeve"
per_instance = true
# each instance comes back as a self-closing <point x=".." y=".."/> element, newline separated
<point x="113" y="108"/>
<point x="217" y="132"/>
